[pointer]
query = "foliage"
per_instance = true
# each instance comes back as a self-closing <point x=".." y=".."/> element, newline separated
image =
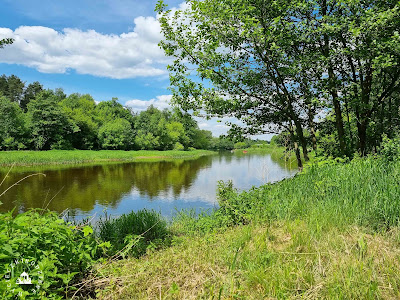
<point x="6" y="41"/>
<point x="133" y="233"/>
<point x="390" y="150"/>
<point x="48" y="124"/>
<point x="12" y="126"/>
<point x="178" y="147"/>
<point x="277" y="65"/>
<point x="240" y="145"/>
<point x="58" y="253"/>
<point x="40" y="119"/>
<point x="116" y="135"/>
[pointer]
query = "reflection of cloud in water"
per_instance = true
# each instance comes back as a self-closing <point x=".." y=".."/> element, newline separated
<point x="124" y="187"/>
<point x="245" y="172"/>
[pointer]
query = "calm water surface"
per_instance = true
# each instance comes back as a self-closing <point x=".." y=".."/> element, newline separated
<point x="120" y="188"/>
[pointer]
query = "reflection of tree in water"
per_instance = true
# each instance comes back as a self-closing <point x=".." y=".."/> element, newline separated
<point x="151" y="179"/>
<point x="82" y="188"/>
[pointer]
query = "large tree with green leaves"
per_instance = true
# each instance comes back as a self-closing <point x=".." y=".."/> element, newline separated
<point x="279" y="62"/>
<point x="12" y="125"/>
<point x="48" y="124"/>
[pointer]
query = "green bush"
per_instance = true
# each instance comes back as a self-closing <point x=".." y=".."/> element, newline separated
<point x="54" y="253"/>
<point x="231" y="206"/>
<point x="240" y="145"/>
<point x="133" y="233"/>
<point x="178" y="147"/>
<point x="390" y="148"/>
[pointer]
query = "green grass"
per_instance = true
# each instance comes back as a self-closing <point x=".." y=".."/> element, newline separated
<point x="27" y="158"/>
<point x="146" y="228"/>
<point x="284" y="260"/>
<point x="331" y="232"/>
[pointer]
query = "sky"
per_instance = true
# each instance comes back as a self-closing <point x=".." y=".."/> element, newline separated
<point x="105" y="48"/>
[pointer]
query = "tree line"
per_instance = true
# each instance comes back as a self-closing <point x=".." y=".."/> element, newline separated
<point x="34" y="118"/>
<point x="278" y="65"/>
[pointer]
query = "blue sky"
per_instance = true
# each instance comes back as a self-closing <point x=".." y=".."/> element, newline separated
<point x="106" y="48"/>
<point x="105" y="18"/>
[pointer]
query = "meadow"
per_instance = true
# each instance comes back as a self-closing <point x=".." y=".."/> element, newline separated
<point x="27" y="158"/>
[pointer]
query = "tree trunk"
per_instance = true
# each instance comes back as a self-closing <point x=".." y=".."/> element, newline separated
<point x="362" y="135"/>
<point x="296" y="148"/>
<point x="299" y="131"/>
<point x="312" y="127"/>
<point x="332" y="88"/>
<point x="338" y="113"/>
<point x="302" y="140"/>
<point x="349" y="125"/>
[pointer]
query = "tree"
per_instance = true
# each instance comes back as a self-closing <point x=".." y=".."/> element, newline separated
<point x="80" y="110"/>
<point x="30" y="93"/>
<point x="116" y="135"/>
<point x="202" y="139"/>
<point x="231" y="47"/>
<point x="47" y="122"/>
<point x="279" y="62"/>
<point x="12" y="87"/>
<point x="107" y="111"/>
<point x="12" y="126"/>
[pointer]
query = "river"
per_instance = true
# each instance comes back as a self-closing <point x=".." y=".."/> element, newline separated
<point x="165" y="186"/>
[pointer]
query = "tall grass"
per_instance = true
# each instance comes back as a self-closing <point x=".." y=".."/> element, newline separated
<point x="26" y="158"/>
<point x="364" y="192"/>
<point x="136" y="230"/>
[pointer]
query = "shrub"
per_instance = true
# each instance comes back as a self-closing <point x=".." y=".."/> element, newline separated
<point x="179" y="147"/>
<point x="133" y="233"/>
<point x="54" y="253"/>
<point x="390" y="148"/>
<point x="240" y="145"/>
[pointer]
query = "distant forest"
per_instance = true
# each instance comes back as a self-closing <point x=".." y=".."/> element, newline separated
<point x="34" y="118"/>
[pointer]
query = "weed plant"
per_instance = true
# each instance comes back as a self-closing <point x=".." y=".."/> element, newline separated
<point x="55" y="254"/>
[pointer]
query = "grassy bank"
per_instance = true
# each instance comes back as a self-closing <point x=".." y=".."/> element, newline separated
<point x="330" y="232"/>
<point x="26" y="158"/>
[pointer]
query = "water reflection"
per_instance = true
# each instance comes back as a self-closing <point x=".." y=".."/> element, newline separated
<point x="124" y="187"/>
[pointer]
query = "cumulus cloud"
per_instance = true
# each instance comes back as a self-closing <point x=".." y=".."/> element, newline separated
<point x="159" y="102"/>
<point x="128" y="55"/>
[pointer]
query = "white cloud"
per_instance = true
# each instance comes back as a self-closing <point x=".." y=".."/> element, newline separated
<point x="129" y="55"/>
<point x="159" y="102"/>
<point x="204" y="125"/>
<point x="216" y="125"/>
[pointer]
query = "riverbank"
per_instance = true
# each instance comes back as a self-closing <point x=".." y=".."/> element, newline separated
<point x="59" y="157"/>
<point x="330" y="232"/>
